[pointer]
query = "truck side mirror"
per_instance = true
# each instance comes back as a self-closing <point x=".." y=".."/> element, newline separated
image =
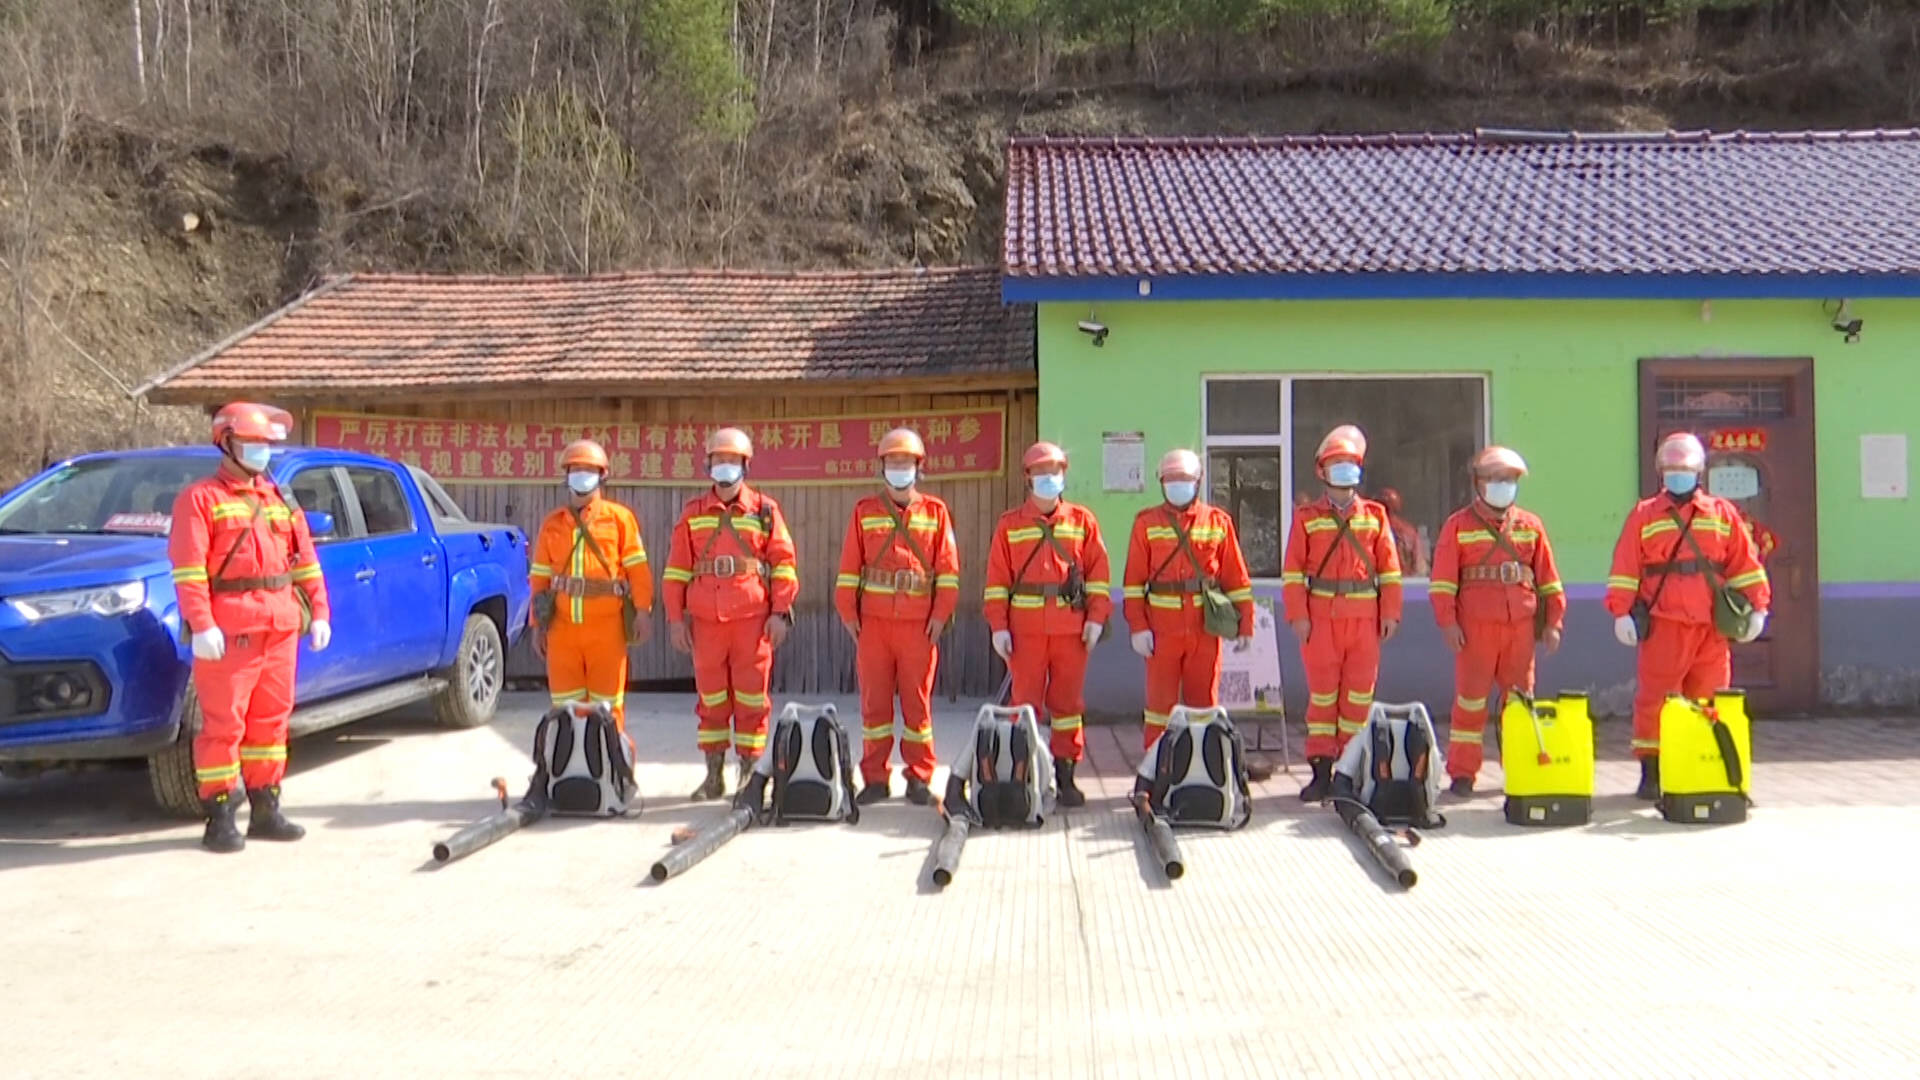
<point x="319" y="523"/>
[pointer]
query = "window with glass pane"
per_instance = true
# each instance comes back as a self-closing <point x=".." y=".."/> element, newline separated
<point x="1421" y="434"/>
<point x="1246" y="484"/>
<point x="1243" y="407"/>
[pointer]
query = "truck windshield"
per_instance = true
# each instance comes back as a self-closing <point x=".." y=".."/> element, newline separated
<point x="104" y="495"/>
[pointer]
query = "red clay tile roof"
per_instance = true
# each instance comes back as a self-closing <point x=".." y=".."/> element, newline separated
<point x="1487" y="202"/>
<point x="385" y="334"/>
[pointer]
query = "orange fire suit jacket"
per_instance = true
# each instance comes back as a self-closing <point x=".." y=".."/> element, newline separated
<point x="271" y="551"/>
<point x="561" y="553"/>
<point x="1476" y="579"/>
<point x="879" y="573"/>
<point x="1155" y="561"/>
<point x="1022" y="560"/>
<point x="722" y="575"/>
<point x="1651" y="542"/>
<point x="1323" y="576"/>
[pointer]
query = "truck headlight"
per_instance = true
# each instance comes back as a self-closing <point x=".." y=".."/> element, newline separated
<point x="99" y="600"/>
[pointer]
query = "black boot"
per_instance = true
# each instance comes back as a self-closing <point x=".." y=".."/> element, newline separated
<point x="715" y="785"/>
<point x="745" y="766"/>
<point x="874" y="791"/>
<point x="1462" y="786"/>
<point x="1649" y="779"/>
<point x="1322" y="782"/>
<point x="1070" y="793"/>
<point x="266" y="822"/>
<point x="222" y="834"/>
<point x="918" y="793"/>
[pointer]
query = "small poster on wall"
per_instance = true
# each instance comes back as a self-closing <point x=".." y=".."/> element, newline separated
<point x="1123" y="461"/>
<point x="1250" y="681"/>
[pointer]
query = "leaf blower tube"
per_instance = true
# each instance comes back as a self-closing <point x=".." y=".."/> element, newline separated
<point x="1379" y="842"/>
<point x="485" y="831"/>
<point x="702" y="844"/>
<point x="1166" y="849"/>
<point x="946" y="852"/>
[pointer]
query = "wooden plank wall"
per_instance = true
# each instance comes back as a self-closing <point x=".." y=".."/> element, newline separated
<point x="818" y="657"/>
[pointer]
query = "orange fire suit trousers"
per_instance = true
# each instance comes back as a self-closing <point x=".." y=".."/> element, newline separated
<point x="587" y="662"/>
<point x="1050" y="671"/>
<point x="1676" y="657"/>
<point x="1342" y="658"/>
<point x="1183" y="670"/>
<point x="245" y="699"/>
<point x="896" y="660"/>
<point x="732" y="663"/>
<point x="1498" y="657"/>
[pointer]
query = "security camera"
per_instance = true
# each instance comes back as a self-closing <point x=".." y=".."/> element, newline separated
<point x="1849" y="327"/>
<point x="1095" y="330"/>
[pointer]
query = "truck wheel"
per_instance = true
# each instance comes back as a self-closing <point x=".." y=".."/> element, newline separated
<point x="474" y="681"/>
<point x="170" y="771"/>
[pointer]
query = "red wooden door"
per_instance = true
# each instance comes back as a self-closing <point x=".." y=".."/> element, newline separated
<point x="1755" y="416"/>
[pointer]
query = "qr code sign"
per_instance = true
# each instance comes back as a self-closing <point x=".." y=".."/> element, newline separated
<point x="1236" y="688"/>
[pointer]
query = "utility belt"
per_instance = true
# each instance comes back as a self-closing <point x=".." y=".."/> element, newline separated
<point x="902" y="582"/>
<point x="271" y="583"/>
<point x="1342" y="586"/>
<point x="729" y="566"/>
<point x="1071" y="592"/>
<point x="1679" y="566"/>
<point x="584" y="587"/>
<point x="1183" y="586"/>
<point x="1506" y="573"/>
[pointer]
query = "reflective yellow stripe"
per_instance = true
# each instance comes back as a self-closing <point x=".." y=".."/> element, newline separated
<point x="1444" y="588"/>
<point x="263" y="753"/>
<point x="714" y="700"/>
<point x="1472" y="738"/>
<point x="786" y="572"/>
<point x="1355" y="697"/>
<point x="1655" y="528"/>
<point x="638" y="559"/>
<point x="1027" y="603"/>
<point x="1552" y="588"/>
<point x="703" y="521"/>
<point x="1322" y="525"/>
<point x="1321" y="727"/>
<point x="872" y="734"/>
<point x="996" y="592"/>
<point x="1066" y="723"/>
<point x="1470" y="704"/>
<point x="751" y="701"/>
<point x="1208" y="532"/>
<point x="1324" y="700"/>
<point x="1021" y="536"/>
<point x="908" y="735"/>
<point x="189" y="573"/>
<point x="1744" y="580"/>
<point x="1237" y="595"/>
<point x="566" y="697"/>
<point x="1134" y="592"/>
<point x="229" y="510"/>
<point x="1351" y="727"/>
<point x="711" y="738"/>
<point x="947" y="581"/>
<point x="847" y="581"/>
<point x="218" y="772"/>
<point x="1646" y="744"/>
<point x="1476" y="536"/>
<point x="1155" y="719"/>
<point x="674" y="573"/>
<point x="306" y="573"/>
<point x="1391" y="577"/>
<point x="1622" y="581"/>
<point x="1161" y="532"/>
<point x="747" y="741"/>
<point x="1292" y="578"/>
<point x="1161" y="600"/>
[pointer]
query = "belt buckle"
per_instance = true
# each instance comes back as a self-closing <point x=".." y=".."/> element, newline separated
<point x="577" y="587"/>
<point x="724" y="566"/>
<point x="1510" y="573"/>
<point x="903" y="580"/>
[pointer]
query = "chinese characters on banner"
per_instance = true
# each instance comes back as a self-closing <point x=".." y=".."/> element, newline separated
<point x="807" y="450"/>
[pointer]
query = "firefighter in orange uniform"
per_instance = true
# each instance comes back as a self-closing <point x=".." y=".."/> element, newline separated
<point x="1494" y="589"/>
<point x="1049" y="592"/>
<point x="898" y="586"/>
<point x="589" y="569"/>
<point x="239" y="552"/>
<point x="730" y="583"/>
<point x="1660" y="593"/>
<point x="1176" y="551"/>
<point x="1340" y="581"/>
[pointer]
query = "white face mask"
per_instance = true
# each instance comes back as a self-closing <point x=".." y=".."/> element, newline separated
<point x="1501" y="493"/>
<point x="1181" y="492"/>
<point x="254" y="456"/>
<point x="901" y="479"/>
<point x="1343" y="474"/>
<point x="726" y="474"/>
<point x="583" y="483"/>
<point x="1049" y="485"/>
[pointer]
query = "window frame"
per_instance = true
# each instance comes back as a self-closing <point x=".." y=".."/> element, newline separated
<point x="360" y="510"/>
<point x="1283" y="441"/>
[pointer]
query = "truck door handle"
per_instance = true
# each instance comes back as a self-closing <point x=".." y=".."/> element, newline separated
<point x="364" y="575"/>
<point x="429" y="558"/>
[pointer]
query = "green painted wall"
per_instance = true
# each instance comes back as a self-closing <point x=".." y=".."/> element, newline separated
<point x="1563" y="382"/>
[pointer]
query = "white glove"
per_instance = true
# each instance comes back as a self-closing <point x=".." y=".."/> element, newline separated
<point x="1624" y="631"/>
<point x="1143" y="643"/>
<point x="1003" y="644"/>
<point x="320" y="634"/>
<point x="209" y="644"/>
<point x="1242" y="644"/>
<point x="1756" y="622"/>
<point x="1091" y="634"/>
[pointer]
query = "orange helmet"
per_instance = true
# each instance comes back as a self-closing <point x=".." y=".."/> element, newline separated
<point x="1043" y="453"/>
<point x="903" y="441"/>
<point x="1681" y="450"/>
<point x="1390" y="497"/>
<point x="245" y="420"/>
<point x="584" y="453"/>
<point x="1343" y="441"/>
<point x="1181" y="463"/>
<point x="729" y="440"/>
<point x="1497" y="460"/>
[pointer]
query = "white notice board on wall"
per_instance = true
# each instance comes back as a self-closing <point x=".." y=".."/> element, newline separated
<point x="1883" y="466"/>
<point x="1123" y="461"/>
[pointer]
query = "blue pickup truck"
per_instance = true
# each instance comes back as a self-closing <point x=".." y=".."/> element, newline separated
<point x="92" y="666"/>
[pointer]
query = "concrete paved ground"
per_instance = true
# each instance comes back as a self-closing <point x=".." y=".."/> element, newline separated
<point x="1787" y="946"/>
